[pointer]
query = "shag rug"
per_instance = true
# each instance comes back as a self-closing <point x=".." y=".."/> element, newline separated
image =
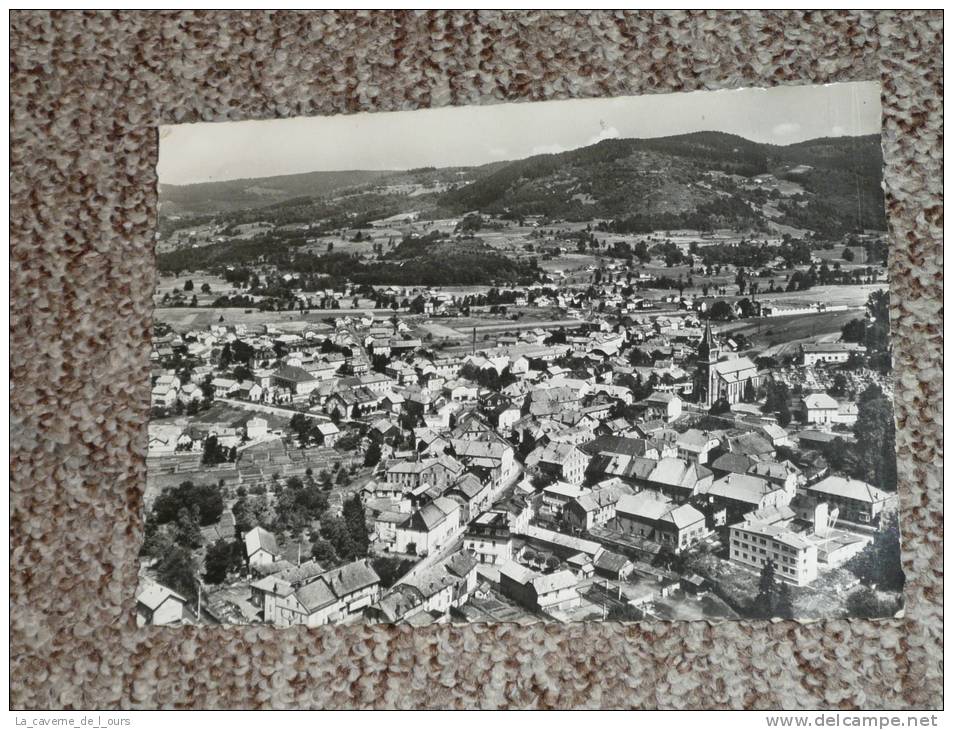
<point x="87" y="91"/>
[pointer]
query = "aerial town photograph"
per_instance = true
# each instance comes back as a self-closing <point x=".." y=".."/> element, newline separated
<point x="589" y="360"/>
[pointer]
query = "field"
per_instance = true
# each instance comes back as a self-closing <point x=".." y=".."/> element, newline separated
<point x="783" y="334"/>
<point x="186" y="318"/>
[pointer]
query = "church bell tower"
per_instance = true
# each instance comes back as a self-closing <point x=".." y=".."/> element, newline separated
<point x="708" y="354"/>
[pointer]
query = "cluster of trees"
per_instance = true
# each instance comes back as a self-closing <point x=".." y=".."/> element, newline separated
<point x="173" y="532"/>
<point x="306" y="430"/>
<point x="215" y="453"/>
<point x="778" y="401"/>
<point x="391" y="569"/>
<point x="342" y="538"/>
<point x="878" y="564"/>
<point x="873" y="332"/>
<point x="774" y="599"/>
<point x="876" y="434"/>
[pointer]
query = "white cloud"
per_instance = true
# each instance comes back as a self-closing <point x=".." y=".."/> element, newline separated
<point x="786" y="129"/>
<point x="604" y="133"/>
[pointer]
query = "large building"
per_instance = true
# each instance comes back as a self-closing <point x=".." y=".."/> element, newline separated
<point x="731" y="379"/>
<point x="795" y="559"/>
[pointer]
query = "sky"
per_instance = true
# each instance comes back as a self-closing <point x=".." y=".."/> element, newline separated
<point x="474" y="135"/>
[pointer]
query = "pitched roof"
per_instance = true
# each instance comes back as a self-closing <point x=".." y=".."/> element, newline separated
<point x="293" y="374"/>
<point x="741" y="488"/>
<point x="611" y="561"/>
<point x="819" y="401"/>
<point x="648" y="505"/>
<point x="315" y="595"/>
<point x="350" y="578"/>
<point x="683" y="516"/>
<point x="155" y="594"/>
<point x="557" y="581"/>
<point x="259" y="538"/>
<point x="837" y="486"/>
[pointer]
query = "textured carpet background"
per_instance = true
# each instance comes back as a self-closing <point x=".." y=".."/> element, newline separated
<point x="87" y="91"/>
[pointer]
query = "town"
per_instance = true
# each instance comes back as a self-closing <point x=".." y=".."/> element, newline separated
<point x="607" y="442"/>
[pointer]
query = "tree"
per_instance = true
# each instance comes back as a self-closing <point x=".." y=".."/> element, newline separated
<point x="176" y="570"/>
<point x="749" y="394"/>
<point x="784" y="605"/>
<point x="763" y="604"/>
<point x="222" y="558"/>
<point x="212" y="452"/>
<point x="878" y="564"/>
<point x="206" y="497"/>
<point x="356" y="520"/>
<point x="187" y="532"/>
<point x="875" y="433"/>
<point x="206" y="289"/>
<point x="373" y="454"/>
<point x="335" y="530"/>
<point x="391" y="569"/>
<point x="865" y="603"/>
<point x="838" y="385"/>
<point x="188" y="286"/>
<point x="721" y="310"/>
<point x="323" y="551"/>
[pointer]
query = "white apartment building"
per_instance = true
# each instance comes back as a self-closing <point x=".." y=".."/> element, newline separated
<point x="754" y="544"/>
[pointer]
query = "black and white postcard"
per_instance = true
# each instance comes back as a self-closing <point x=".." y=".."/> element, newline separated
<point x="585" y="360"/>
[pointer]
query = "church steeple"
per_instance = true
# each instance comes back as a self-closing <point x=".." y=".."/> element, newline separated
<point x="708" y="348"/>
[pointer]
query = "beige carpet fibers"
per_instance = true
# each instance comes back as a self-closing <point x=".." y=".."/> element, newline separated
<point x="87" y="91"/>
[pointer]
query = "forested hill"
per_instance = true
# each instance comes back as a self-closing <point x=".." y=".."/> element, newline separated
<point x="229" y="195"/>
<point x="705" y="179"/>
<point x="702" y="180"/>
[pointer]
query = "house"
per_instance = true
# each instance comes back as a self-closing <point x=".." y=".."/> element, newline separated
<point x="295" y="379"/>
<point x="164" y="396"/>
<point x="492" y="455"/>
<point x="331" y="597"/>
<point x="536" y="592"/>
<point x="437" y="471"/>
<point x="662" y="406"/>
<point x="741" y="493"/>
<point x="471" y="492"/>
<point x="565" y="462"/>
<point x="819" y="409"/>
<point x="856" y="501"/>
<point x="504" y="416"/>
<point x="777" y="435"/>
<point x="653" y="516"/>
<point x="559" y="494"/>
<point x="432" y="591"/>
<point x="261" y="547"/>
<point x="679" y="479"/>
<point x="429" y="528"/>
<point x="695" y="445"/>
<point x="612" y="565"/>
<point x="753" y="544"/>
<point x="594" y="508"/>
<point x="783" y="474"/>
<point x="828" y="352"/>
<point x="622" y="446"/>
<point x="256" y="428"/>
<point x="330" y="433"/>
<point x="489" y="538"/>
<point x="386" y="523"/>
<point x="157" y="605"/>
<point x="223" y="386"/>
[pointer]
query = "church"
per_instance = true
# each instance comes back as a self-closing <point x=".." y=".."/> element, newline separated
<point x="716" y="378"/>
